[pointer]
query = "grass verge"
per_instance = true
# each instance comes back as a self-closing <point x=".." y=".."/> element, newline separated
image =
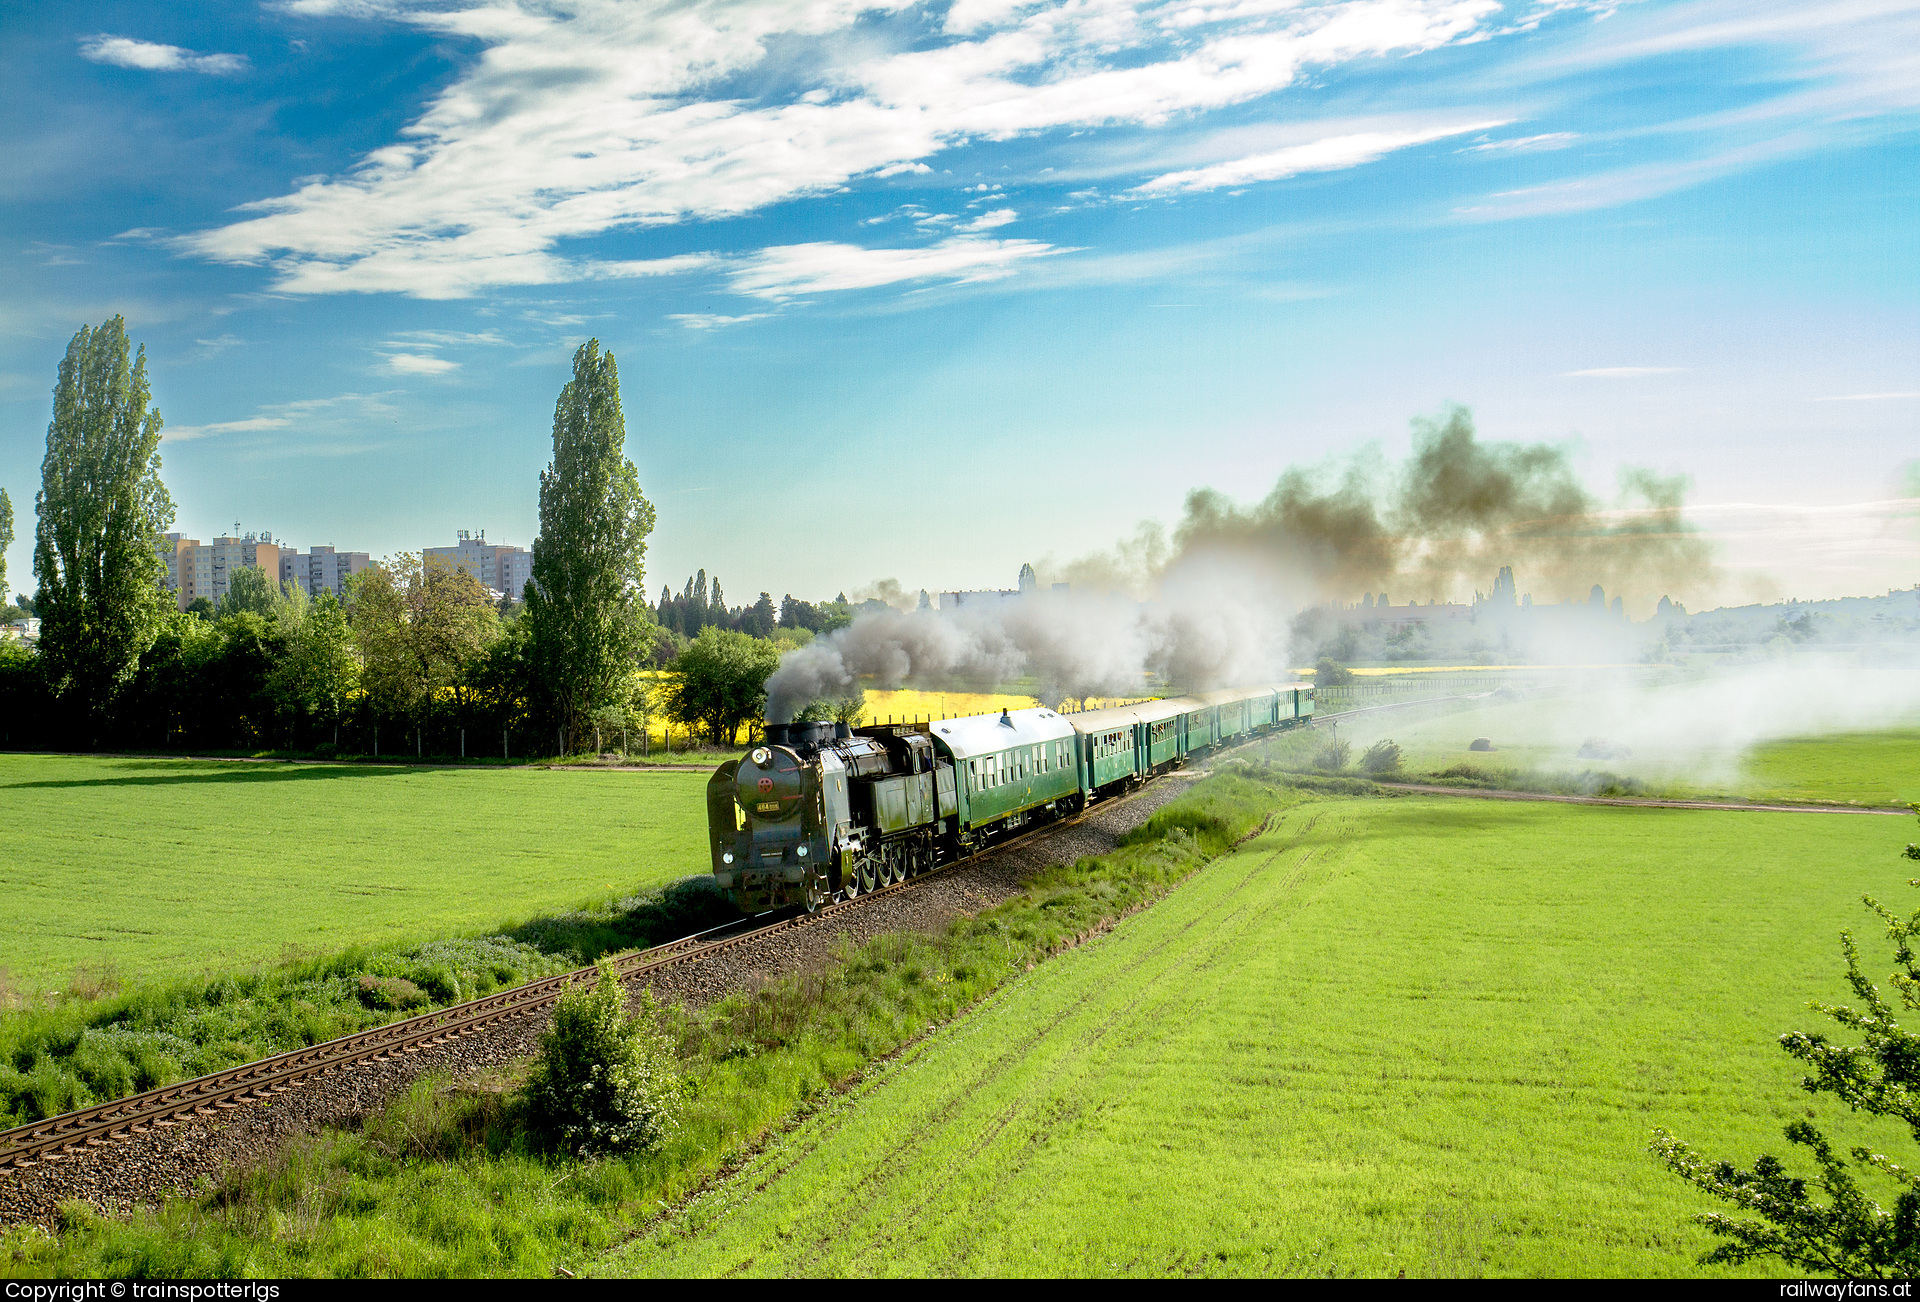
<point x="100" y="1043"/>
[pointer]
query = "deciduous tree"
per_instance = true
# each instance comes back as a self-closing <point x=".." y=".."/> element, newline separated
<point x="586" y="612"/>
<point x="720" y="681"/>
<point x="318" y="670"/>
<point x="421" y="631"/>
<point x="249" y="589"/>
<point x="102" y="509"/>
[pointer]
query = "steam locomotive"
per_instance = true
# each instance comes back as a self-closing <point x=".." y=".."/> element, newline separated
<point x="822" y="811"/>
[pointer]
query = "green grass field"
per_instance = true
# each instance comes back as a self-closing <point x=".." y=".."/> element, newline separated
<point x="1424" y="1034"/>
<point x="1869" y="768"/>
<point x="160" y="868"/>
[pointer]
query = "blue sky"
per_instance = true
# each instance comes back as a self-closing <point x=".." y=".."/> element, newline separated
<point x="1040" y="267"/>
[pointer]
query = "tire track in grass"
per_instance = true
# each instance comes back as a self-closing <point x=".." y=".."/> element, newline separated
<point x="836" y="1212"/>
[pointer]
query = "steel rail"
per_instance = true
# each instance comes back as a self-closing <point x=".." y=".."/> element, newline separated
<point x="53" y="1138"/>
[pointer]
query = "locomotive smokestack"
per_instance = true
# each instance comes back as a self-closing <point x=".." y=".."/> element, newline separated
<point x="777" y="734"/>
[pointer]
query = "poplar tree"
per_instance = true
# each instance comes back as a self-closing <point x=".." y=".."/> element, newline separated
<point x="6" y="538"/>
<point x="101" y="509"/>
<point x="586" y="608"/>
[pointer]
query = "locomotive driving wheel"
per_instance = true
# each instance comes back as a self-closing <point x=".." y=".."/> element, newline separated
<point x="867" y="873"/>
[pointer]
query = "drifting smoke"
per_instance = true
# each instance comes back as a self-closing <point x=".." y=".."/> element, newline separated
<point x="1452" y="515"/>
<point x="1218" y="602"/>
<point x="1698" y="731"/>
<point x="1076" y="645"/>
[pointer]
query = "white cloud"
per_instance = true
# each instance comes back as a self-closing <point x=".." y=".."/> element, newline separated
<point x="1869" y="397"/>
<point x="126" y="52"/>
<point x="307" y="415"/>
<point x="1332" y="154"/>
<point x="986" y="221"/>
<point x="1624" y="372"/>
<point x="419" y="364"/>
<point x="184" y="433"/>
<point x="215" y="346"/>
<point x="577" y="121"/>
<point x="710" y="321"/>
<point x="1525" y="144"/>
<point x="795" y="269"/>
<point x="435" y="338"/>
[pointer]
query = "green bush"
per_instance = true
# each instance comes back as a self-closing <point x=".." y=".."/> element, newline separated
<point x="604" y="1082"/>
<point x="1382" y="757"/>
<point x="1333" y="757"/>
<point x="1331" y="673"/>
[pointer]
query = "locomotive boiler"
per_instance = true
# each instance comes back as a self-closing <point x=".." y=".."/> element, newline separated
<point x="820" y="811"/>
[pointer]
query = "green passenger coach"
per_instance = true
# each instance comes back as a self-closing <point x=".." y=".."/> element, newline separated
<point x="1010" y="768"/>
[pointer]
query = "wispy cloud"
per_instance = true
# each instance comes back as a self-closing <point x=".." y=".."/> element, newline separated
<point x="419" y="364"/>
<point x="186" y="433"/>
<point x="1868" y="397"/>
<point x="1332" y="154"/>
<point x="987" y="221"/>
<point x="599" y="116"/>
<point x="1623" y="372"/>
<point x="219" y="344"/>
<point x="712" y="321"/>
<point x="795" y="269"/>
<point x="1525" y="144"/>
<point x="304" y="414"/>
<point x="435" y="338"/>
<point x="126" y="52"/>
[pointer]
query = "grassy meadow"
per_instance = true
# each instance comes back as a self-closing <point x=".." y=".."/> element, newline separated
<point x="1424" y="1035"/>
<point x="153" y="868"/>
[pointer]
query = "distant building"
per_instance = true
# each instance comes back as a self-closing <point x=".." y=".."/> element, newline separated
<point x="196" y="569"/>
<point x="500" y="567"/>
<point x="322" y="569"/>
<point x="981" y="597"/>
<point x="1027" y="583"/>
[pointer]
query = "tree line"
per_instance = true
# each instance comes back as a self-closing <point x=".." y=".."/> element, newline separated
<point x="414" y="657"/>
<point x="700" y="604"/>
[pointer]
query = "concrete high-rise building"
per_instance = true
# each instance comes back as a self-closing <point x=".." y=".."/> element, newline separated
<point x="322" y="569"/>
<point x="500" y="567"/>
<point x="196" y="569"/>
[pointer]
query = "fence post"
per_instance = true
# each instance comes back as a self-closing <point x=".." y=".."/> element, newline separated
<point x="376" y="741"/>
<point x="503" y="744"/>
<point x="463" y="743"/>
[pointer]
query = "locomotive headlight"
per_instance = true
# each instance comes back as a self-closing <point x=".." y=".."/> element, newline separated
<point x="727" y="857"/>
<point x="760" y="756"/>
<point x="802" y="852"/>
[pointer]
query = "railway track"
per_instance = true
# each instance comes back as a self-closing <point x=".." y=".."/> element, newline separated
<point x="70" y="1133"/>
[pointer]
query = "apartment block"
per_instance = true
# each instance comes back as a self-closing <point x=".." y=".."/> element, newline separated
<point x="322" y="569"/>
<point x="500" y="567"/>
<point x="196" y="569"/>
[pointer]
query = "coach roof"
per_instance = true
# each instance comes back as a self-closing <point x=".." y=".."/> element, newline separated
<point x="989" y="734"/>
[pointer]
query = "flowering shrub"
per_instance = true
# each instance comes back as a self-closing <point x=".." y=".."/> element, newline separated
<point x="604" y="1081"/>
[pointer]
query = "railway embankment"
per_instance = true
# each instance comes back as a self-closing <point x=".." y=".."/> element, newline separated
<point x="727" y="1004"/>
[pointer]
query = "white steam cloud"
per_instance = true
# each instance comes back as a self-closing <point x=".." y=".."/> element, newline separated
<point x="1210" y="626"/>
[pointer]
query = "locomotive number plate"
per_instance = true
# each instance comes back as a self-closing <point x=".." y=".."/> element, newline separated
<point x="768" y="807"/>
